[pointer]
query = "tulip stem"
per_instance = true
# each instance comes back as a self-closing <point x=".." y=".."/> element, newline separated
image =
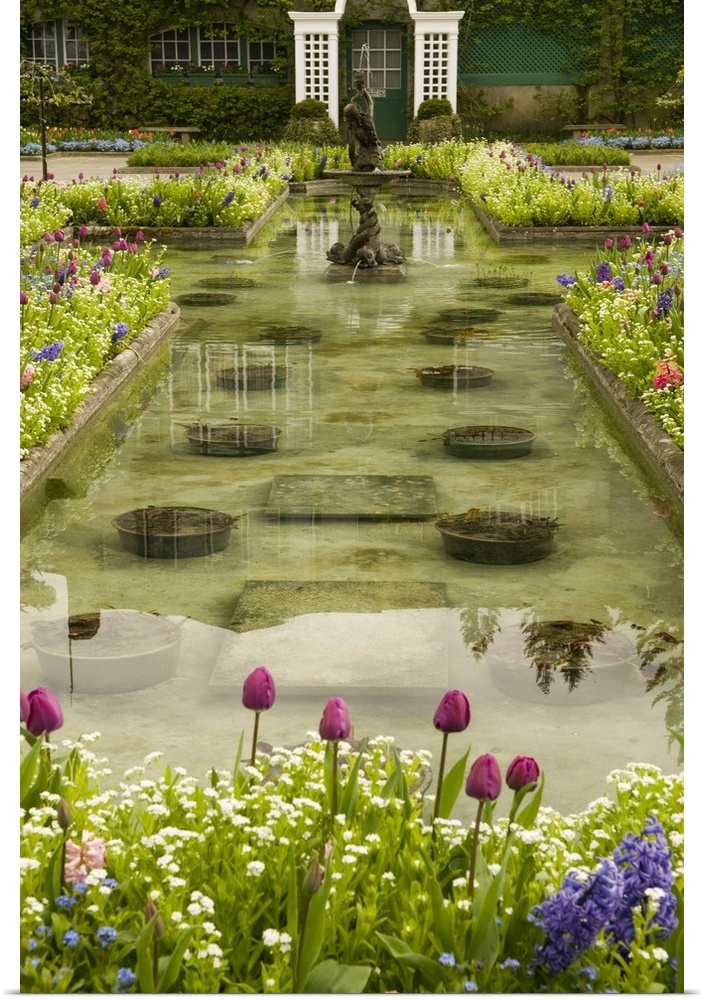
<point x="441" y="774"/>
<point x="475" y="842"/>
<point x="334" y="780"/>
<point x="254" y="737"/>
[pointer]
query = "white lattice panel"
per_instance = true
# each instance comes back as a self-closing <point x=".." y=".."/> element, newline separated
<point x="317" y="59"/>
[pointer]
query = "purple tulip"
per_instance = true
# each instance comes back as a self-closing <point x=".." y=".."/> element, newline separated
<point x="45" y="713"/>
<point x="24" y="706"/>
<point x="335" y="723"/>
<point x="484" y="779"/>
<point x="452" y="714"/>
<point x="258" y="691"/>
<point x="520" y="772"/>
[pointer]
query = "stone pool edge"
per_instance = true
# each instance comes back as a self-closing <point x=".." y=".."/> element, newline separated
<point x="656" y="450"/>
<point x="42" y="459"/>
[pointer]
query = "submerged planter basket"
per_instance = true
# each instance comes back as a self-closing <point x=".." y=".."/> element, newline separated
<point x="290" y="334"/>
<point x="253" y="377"/>
<point x="467" y="316"/>
<point x="454" y="376"/>
<point x="107" y="651"/>
<point x="497" y="537"/>
<point x="453" y="334"/>
<point x="174" y="532"/>
<point x="488" y="441"/>
<point x="228" y="438"/>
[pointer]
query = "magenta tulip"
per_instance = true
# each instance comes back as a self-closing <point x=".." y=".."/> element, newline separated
<point x="258" y="691"/>
<point x="484" y="779"/>
<point x="45" y="714"/>
<point x="452" y="714"/>
<point x="335" y="723"/>
<point x="24" y="706"/>
<point x="520" y="772"/>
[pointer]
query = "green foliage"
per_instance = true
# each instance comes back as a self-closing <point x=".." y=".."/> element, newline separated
<point x="434" y="107"/>
<point x="310" y="108"/>
<point x="577" y="154"/>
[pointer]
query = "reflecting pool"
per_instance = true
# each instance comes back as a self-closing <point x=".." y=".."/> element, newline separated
<point x="334" y="575"/>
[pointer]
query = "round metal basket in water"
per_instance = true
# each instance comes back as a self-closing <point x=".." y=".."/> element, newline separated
<point x="488" y="441"/>
<point x="174" y="532"/>
<point x="232" y="439"/>
<point x="454" y="376"/>
<point x="497" y="537"/>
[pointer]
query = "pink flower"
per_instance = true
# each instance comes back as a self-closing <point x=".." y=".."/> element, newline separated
<point x="45" y="714"/>
<point x="27" y="377"/>
<point x="668" y="374"/>
<point x="81" y="858"/>
<point x="102" y="204"/>
<point x="335" y="723"/>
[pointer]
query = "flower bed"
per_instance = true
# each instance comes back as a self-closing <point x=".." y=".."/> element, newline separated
<point x="321" y="868"/>
<point x="79" y="309"/>
<point x="630" y="310"/>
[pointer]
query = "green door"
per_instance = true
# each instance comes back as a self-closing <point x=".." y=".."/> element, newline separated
<point x="380" y="51"/>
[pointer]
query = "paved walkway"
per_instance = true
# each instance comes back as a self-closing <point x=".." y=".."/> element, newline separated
<point x="65" y="167"/>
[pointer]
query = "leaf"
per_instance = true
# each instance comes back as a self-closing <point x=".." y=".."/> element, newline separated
<point x="331" y="977"/>
<point x="53" y="878"/>
<point x="238" y="778"/>
<point x="28" y="771"/>
<point x="145" y="971"/>
<point x="313" y="928"/>
<point x="528" y="815"/>
<point x="442" y="925"/>
<point x="348" y="803"/>
<point x="431" y="971"/>
<point x="452" y="786"/>
<point x="172" y="963"/>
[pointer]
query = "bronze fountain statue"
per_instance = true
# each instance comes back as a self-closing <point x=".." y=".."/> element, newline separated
<point x="366" y="248"/>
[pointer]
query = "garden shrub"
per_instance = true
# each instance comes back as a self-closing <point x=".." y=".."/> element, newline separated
<point x="310" y="122"/>
<point x="435" y="122"/>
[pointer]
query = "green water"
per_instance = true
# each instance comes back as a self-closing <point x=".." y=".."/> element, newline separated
<point x="325" y="599"/>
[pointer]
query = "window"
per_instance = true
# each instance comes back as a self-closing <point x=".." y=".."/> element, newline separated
<point x="76" y="50"/>
<point x="169" y="49"/>
<point x="261" y="55"/>
<point x="378" y="52"/>
<point x="42" y="43"/>
<point x="219" y="45"/>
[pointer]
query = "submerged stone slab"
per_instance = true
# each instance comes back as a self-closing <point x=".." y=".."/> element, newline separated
<point x="272" y="602"/>
<point x="401" y="648"/>
<point x="390" y="498"/>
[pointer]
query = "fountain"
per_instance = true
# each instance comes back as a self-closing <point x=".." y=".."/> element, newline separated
<point x="365" y="252"/>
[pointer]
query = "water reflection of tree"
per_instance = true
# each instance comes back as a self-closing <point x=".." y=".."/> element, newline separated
<point x="568" y="646"/>
<point x="561" y="646"/>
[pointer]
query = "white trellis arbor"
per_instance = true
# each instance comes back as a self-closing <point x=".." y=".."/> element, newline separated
<point x="316" y="38"/>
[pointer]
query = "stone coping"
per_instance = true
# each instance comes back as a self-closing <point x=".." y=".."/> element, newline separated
<point x="42" y="459"/>
<point x="655" y="450"/>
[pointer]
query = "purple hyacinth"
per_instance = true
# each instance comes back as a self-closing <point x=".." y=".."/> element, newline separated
<point x="121" y="330"/>
<point x="573" y="917"/>
<point x="566" y="279"/>
<point x="644" y="861"/>
<point x="603" y="271"/>
<point x="664" y="303"/>
<point x="49" y="352"/>
<point x="228" y="197"/>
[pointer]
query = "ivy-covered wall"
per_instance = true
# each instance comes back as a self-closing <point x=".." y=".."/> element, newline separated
<point x="619" y="55"/>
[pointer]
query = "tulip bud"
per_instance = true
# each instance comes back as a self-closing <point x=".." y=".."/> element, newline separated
<point x="24" y="706"/>
<point x="45" y="714"/>
<point x="258" y="691"/>
<point x="314" y="877"/>
<point x="63" y="815"/>
<point x="335" y="723"/>
<point x="520" y="772"/>
<point x="452" y="714"/>
<point x="151" y="911"/>
<point x="484" y="779"/>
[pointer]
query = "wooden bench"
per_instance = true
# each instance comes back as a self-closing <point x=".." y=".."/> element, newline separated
<point x="182" y="132"/>
<point x="577" y="130"/>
